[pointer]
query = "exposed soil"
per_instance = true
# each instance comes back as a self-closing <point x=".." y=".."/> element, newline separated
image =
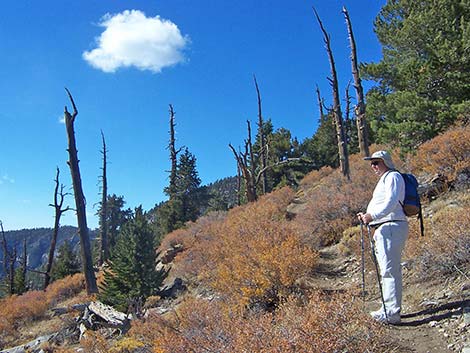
<point x="432" y="317"/>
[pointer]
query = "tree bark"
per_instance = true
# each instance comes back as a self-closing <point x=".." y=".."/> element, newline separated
<point x="320" y="104"/>
<point x="58" y="203"/>
<point x="104" y="253"/>
<point x="360" y="109"/>
<point x="247" y="167"/>
<point x="340" y="135"/>
<point x="87" y="261"/>
<point x="173" y="155"/>
<point x="262" y="141"/>
<point x="9" y="261"/>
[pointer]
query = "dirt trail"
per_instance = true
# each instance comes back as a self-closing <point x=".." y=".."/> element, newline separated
<point x="432" y="318"/>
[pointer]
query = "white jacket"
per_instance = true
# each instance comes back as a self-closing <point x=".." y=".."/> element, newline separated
<point x="388" y="194"/>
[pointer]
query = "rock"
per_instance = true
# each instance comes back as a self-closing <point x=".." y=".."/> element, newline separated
<point x="466" y="314"/>
<point x="174" y="290"/>
<point x="433" y="323"/>
<point x="32" y="346"/>
<point x="169" y="254"/>
<point x="429" y="303"/>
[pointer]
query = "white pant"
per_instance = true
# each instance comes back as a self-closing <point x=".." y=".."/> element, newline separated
<point x="389" y="243"/>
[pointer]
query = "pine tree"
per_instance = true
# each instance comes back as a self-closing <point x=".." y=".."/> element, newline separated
<point x="67" y="262"/>
<point x="423" y="79"/>
<point x="132" y="275"/>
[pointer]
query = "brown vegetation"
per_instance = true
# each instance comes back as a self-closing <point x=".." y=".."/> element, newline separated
<point x="18" y="311"/>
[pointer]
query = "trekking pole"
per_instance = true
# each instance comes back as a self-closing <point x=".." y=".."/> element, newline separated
<point x="374" y="258"/>
<point x="363" y="264"/>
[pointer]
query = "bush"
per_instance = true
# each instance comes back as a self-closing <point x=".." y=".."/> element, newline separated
<point x="297" y="326"/>
<point x="255" y="256"/>
<point x="16" y="311"/>
<point x="447" y="154"/>
<point x="446" y="247"/>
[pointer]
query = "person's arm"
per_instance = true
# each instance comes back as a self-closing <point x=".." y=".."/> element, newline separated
<point x="393" y="183"/>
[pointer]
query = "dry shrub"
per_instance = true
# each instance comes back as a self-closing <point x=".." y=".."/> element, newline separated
<point x="65" y="288"/>
<point x="332" y="323"/>
<point x="186" y="264"/>
<point x="445" y="249"/>
<point x="16" y="311"/>
<point x="333" y="201"/>
<point x="446" y="154"/>
<point x="254" y="256"/>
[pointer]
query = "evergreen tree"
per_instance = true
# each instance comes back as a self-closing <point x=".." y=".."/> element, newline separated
<point x="187" y="201"/>
<point x="423" y="79"/>
<point x="67" y="262"/>
<point x="116" y="217"/>
<point x="322" y="147"/>
<point x="187" y="185"/>
<point x="20" y="286"/>
<point x="132" y="275"/>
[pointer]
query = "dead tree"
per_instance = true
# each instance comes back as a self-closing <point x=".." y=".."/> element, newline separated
<point x="59" y="197"/>
<point x="320" y="104"/>
<point x="87" y="261"/>
<point x="247" y="167"/>
<point x="360" y="109"/>
<point x="347" y="109"/>
<point x="173" y="156"/>
<point x="245" y="162"/>
<point x="262" y="140"/>
<point x="104" y="253"/>
<point x="9" y="262"/>
<point x="340" y="135"/>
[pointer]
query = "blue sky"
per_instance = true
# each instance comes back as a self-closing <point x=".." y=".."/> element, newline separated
<point x="126" y="61"/>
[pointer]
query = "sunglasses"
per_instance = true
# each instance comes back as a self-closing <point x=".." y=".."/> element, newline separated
<point x="374" y="163"/>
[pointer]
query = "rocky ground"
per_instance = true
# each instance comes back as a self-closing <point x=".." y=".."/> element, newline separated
<point x="435" y="318"/>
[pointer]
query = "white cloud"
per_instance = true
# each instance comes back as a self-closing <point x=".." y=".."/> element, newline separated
<point x="132" y="39"/>
<point x="6" y="179"/>
<point x="62" y="119"/>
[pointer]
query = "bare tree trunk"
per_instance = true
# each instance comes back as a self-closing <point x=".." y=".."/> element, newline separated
<point x="262" y="141"/>
<point x="239" y="185"/>
<point x="341" y="138"/>
<point x="11" y="271"/>
<point x="320" y="104"/>
<point x="347" y="109"/>
<point x="87" y="261"/>
<point x="360" y="109"/>
<point x="241" y="159"/>
<point x="58" y="203"/>
<point x="5" y="250"/>
<point x="104" y="253"/>
<point x="246" y="163"/>
<point x="173" y="155"/>
<point x="9" y="261"/>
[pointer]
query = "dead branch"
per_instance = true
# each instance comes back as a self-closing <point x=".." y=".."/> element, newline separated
<point x="360" y="109"/>
<point x="340" y="135"/>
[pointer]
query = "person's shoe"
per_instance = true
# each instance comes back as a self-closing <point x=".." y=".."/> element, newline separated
<point x="379" y="316"/>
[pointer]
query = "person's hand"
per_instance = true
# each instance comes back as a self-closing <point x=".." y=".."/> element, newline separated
<point x="365" y="218"/>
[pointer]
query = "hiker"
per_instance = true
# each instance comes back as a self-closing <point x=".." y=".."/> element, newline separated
<point x="386" y="216"/>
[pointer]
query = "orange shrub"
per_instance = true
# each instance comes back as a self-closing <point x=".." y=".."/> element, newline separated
<point x="16" y="311"/>
<point x="254" y="256"/>
<point x="445" y="249"/>
<point x="318" y="324"/>
<point x="446" y="154"/>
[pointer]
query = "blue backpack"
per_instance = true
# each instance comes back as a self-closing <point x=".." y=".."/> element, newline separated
<point x="412" y="203"/>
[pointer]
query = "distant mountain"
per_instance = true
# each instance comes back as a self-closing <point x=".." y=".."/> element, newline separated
<point x="38" y="242"/>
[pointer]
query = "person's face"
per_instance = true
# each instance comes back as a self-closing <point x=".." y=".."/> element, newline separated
<point x="378" y="166"/>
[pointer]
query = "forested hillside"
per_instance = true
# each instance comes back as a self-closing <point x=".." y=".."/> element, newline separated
<point x="38" y="242"/>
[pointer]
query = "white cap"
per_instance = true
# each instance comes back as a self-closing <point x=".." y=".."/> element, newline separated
<point x="383" y="155"/>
